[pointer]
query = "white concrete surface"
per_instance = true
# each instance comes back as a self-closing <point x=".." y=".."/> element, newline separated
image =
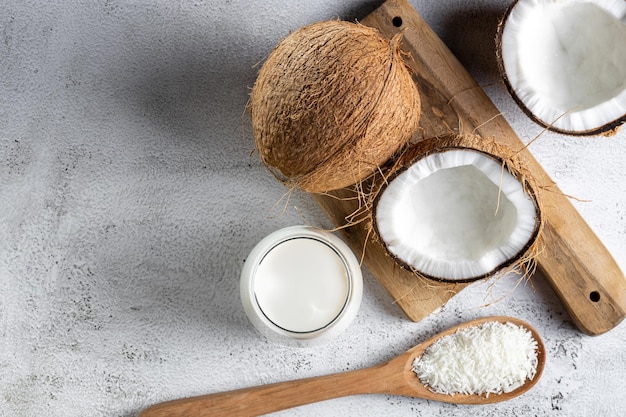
<point x="129" y="201"/>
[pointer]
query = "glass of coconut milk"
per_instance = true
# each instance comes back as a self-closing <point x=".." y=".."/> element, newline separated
<point x="301" y="285"/>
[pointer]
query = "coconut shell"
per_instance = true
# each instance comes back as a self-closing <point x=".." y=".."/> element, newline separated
<point x="607" y="129"/>
<point x="525" y="258"/>
<point x="332" y="103"/>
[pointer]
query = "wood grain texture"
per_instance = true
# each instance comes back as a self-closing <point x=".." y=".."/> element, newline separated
<point x="575" y="262"/>
<point x="394" y="377"/>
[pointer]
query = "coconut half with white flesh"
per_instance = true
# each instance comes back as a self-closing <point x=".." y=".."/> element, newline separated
<point x="458" y="213"/>
<point x="564" y="63"/>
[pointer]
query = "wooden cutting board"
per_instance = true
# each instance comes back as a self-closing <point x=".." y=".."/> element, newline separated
<point x="574" y="261"/>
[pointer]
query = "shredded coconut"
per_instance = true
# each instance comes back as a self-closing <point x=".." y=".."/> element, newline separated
<point x="491" y="358"/>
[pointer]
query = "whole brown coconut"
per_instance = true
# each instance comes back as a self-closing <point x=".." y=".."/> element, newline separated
<point x="332" y="103"/>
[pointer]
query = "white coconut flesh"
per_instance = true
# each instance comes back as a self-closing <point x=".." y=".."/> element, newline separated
<point x="455" y="215"/>
<point x="566" y="61"/>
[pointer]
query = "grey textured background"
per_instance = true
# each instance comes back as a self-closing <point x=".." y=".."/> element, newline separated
<point x="129" y="200"/>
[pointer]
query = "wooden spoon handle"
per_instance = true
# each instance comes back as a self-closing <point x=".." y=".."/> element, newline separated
<point x="266" y="399"/>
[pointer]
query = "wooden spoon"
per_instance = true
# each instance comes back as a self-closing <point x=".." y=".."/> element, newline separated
<point x="393" y="377"/>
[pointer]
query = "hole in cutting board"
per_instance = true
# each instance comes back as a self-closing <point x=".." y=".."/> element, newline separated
<point x="397" y="21"/>
<point x="594" y="296"/>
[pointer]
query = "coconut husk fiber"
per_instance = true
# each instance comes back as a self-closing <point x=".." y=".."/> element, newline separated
<point x="332" y="102"/>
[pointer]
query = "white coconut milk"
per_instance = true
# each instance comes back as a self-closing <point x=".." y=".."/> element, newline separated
<point x="302" y="284"/>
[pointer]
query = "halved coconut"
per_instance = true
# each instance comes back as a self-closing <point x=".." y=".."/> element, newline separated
<point x="458" y="213"/>
<point x="564" y="63"/>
